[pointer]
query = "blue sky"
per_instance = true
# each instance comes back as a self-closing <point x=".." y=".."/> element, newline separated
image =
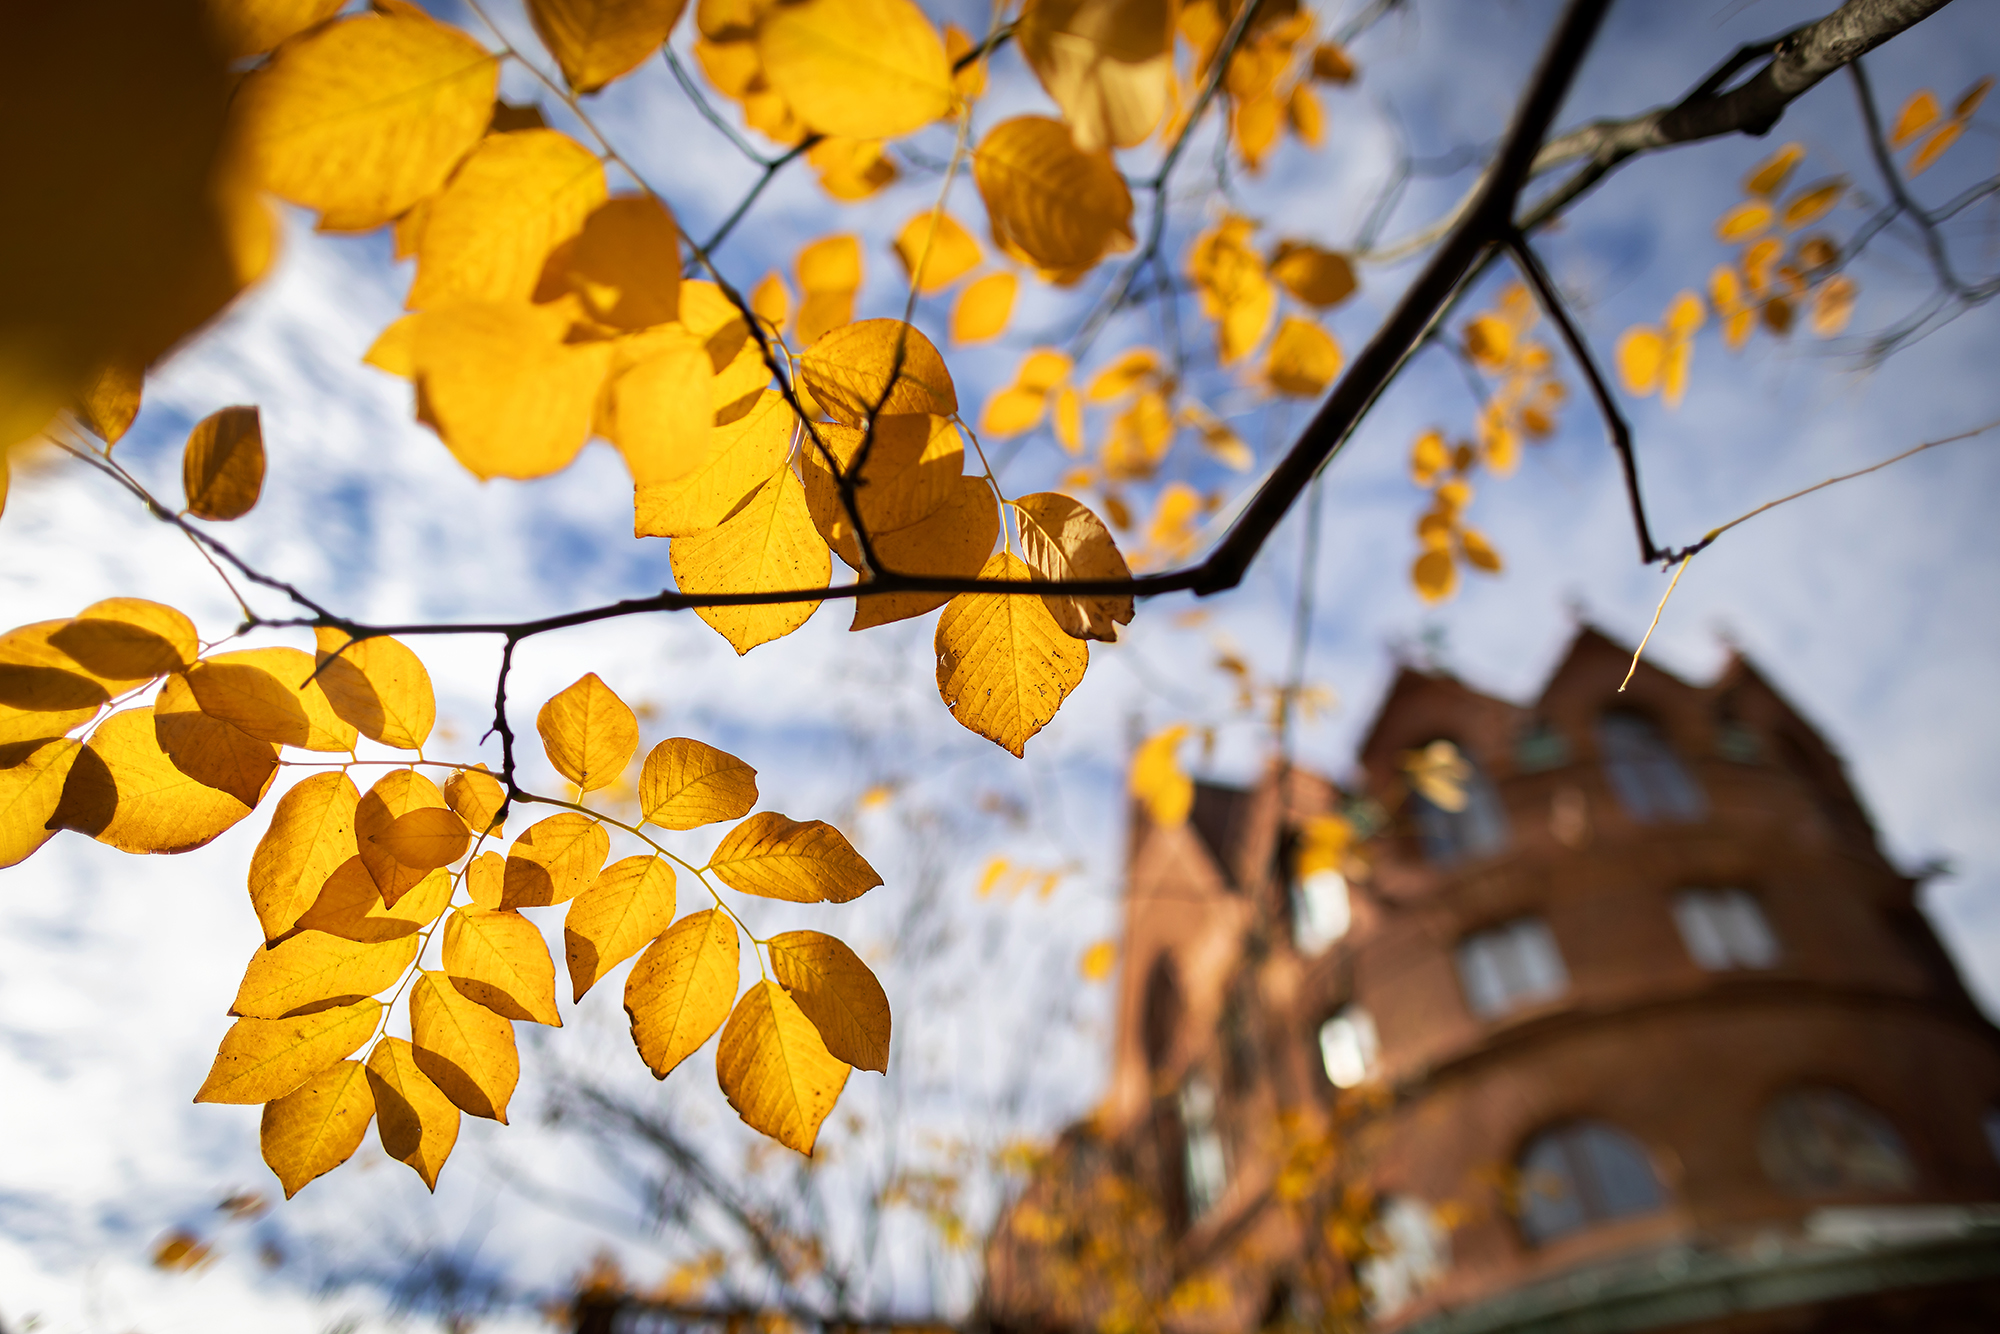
<point x="1871" y="605"/>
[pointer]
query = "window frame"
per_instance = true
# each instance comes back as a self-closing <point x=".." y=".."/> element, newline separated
<point x="1582" y="1146"/>
<point x="1653" y="782"/>
<point x="1725" y="930"/>
<point x="1509" y="966"/>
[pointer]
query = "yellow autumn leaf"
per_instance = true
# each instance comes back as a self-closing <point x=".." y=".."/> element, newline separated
<point x="270" y="694"/>
<point x="625" y="263"/>
<point x="1012" y="411"/>
<point x="1747" y="220"/>
<point x="378" y="685"/>
<point x="395" y="348"/>
<point x="311" y="835"/>
<point x="1157" y="779"/>
<point x="663" y="410"/>
<point x="500" y="960"/>
<point x="1305" y="115"/>
<point x="1133" y="370"/>
<point x="839" y="993"/>
<point x="768" y="545"/>
<point x="212" y="752"/>
<point x="619" y="915"/>
<point x="596" y="41"/>
<point x="772" y="301"/>
<point x="682" y="988"/>
<point x="1320" y="278"/>
<point x="1674" y="375"/>
<point x="312" y="969"/>
<point x="554" y="860"/>
<point x="463" y="1047"/>
<point x="1685" y="316"/>
<point x="222" y="467"/>
<point x="1833" y="306"/>
<point x="252" y="27"/>
<point x="477" y="797"/>
<point x="1049" y="202"/>
<point x="365" y="117"/>
<point x="1061" y="539"/>
<point x="425" y="839"/>
<point x="418" y="1125"/>
<point x="110" y="402"/>
<point x="128" y="639"/>
<point x="1066" y="420"/>
<point x="1107" y="63"/>
<point x="862" y="69"/>
<point x="1098" y="961"/>
<point x="984" y="308"/>
<point x="800" y="861"/>
<point x="878" y="367"/>
<point x="1004" y="664"/>
<point x="262" y="1059"/>
<point x="1216" y="437"/>
<point x="1255" y="121"/>
<point x="350" y="907"/>
<point x="1642" y="356"/>
<point x="318" y="1126"/>
<point x="1140" y="437"/>
<point x="1435" y="574"/>
<point x="1769" y="176"/>
<point x="1429" y="458"/>
<point x="589" y="733"/>
<point x="1234" y="288"/>
<point x="829" y="272"/>
<point x="686" y="784"/>
<point x="913" y="466"/>
<point x="940" y="243"/>
<point x="1810" y="205"/>
<point x="486" y="880"/>
<point x="1303" y="359"/>
<point x="506" y="395"/>
<point x="489" y="235"/>
<point x="743" y="456"/>
<point x="1489" y="341"/>
<point x="775" y="1068"/>
<point x="954" y="542"/>
<point x="30" y="791"/>
<point x="123" y="790"/>
<point x="394" y="795"/>
<point x="851" y="169"/>
<point x="1478" y="551"/>
<point x="1918" y="114"/>
<point x="1933" y="148"/>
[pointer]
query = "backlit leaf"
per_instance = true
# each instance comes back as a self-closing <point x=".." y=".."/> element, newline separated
<point x="1769" y="176"/>
<point x="1303" y="359"/>
<point x="504" y="393"/>
<point x="1004" y="664"/>
<point x="1642" y="355"/>
<point x="350" y="907"/>
<point x="914" y="464"/>
<point x="663" y="409"/>
<point x="512" y="202"/>
<point x="829" y="272"/>
<point x="952" y="543"/>
<point x="1478" y="551"/>
<point x="681" y="989"/>
<point x="311" y="836"/>
<point x="1436" y="575"/>
<point x="1107" y="63"/>
<point x="596" y="41"/>
<point x="878" y="367"/>
<point x="477" y="797"/>
<point x="589" y="733"/>
<point x="417" y="1123"/>
<point x="772" y="301"/>
<point x="1158" y="780"/>
<point x="1049" y="202"/>
<point x="1748" y="219"/>
<point x="1134" y="369"/>
<point x="686" y="784"/>
<point x="1331" y="64"/>
<point x="554" y="860"/>
<point x="1320" y="278"/>
<point x="208" y="750"/>
<point x="378" y="685"/>
<point x="30" y="790"/>
<point x="1012" y="411"/>
<point x="1098" y="961"/>
<point x="123" y="790"/>
<point x="1235" y="290"/>
<point x="312" y="970"/>
<point x="1933" y="147"/>
<point x="486" y="880"/>
<point x="851" y="169"/>
<point x="262" y="1059"/>
<point x="838" y="993"/>
<point x="626" y="263"/>
<point x="984" y="308"/>
<point x="863" y="69"/>
<point x="425" y="839"/>
<point x="942" y="245"/>
<point x="252" y="27"/>
<point x="394" y="795"/>
<point x="1969" y="101"/>
<point x="270" y="694"/>
<point x="1305" y="115"/>
<point x="1810" y="205"/>
<point x="129" y="639"/>
<point x="775" y="1068"/>
<point x="1062" y="540"/>
<point x="1918" y="114"/>
<point x="222" y="467"/>
<point x="463" y="1047"/>
<point x="743" y="456"/>
<point x="106" y="408"/>
<point x="767" y="545"/>
<point x="1066" y="420"/>
<point x="369" y="115"/>
<point x="317" y="1127"/>
<point x="1833" y="305"/>
<point x="500" y="960"/>
<point x="805" y="861"/>
<point x="619" y="915"/>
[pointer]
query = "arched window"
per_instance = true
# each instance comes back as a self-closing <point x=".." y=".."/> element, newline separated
<point x="1821" y="1141"/>
<point x="1458" y="813"/>
<point x="1348" y="1046"/>
<point x="1583" y="1173"/>
<point x="1650" y="780"/>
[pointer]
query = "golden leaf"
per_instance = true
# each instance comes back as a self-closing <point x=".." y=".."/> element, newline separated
<point x="252" y="27"/>
<point x="1066" y="420"/>
<point x="776" y="1070"/>
<point x="984" y="308"/>
<point x="1769" y="176"/>
<point x="840" y="995"/>
<point x="1157" y="779"/>
<point x="1642" y="356"/>
<point x="968" y="78"/>
<point x="424" y="839"/>
<point x="312" y="971"/>
<point x="742" y="457"/>
<point x="1685" y="315"/>
<point x="1233" y="286"/>
<point x="772" y="301"/>
<point x="365" y="117"/>
<point x="1918" y="114"/>
<point x="1969" y="101"/>
<point x="123" y="640"/>
<point x="1303" y="359"/>
<point x="395" y="348"/>
<point x="1098" y="961"/>
<point x="619" y="915"/>
<point x="596" y="41"/>
<point x="805" y="861"/>
<point x="1478" y="551"/>
<point x="1134" y="369"/>
<point x="516" y="198"/>
<point x="1428" y="458"/>
<point x="269" y="694"/>
<point x="464" y="1048"/>
<point x="1810" y="205"/>
<point x="318" y="1126"/>
<point x="1320" y="278"/>
<point x="486" y="880"/>
<point x="554" y="860"/>
<point x="1140" y="438"/>
<point x="110" y="402"/>
<point x="625" y="264"/>
<point x="1674" y="375"/>
<point x="851" y="169"/>
<point x="952" y="543"/>
<point x="418" y="1125"/>
<point x="504" y="393"/>
<point x="767" y="545"/>
<point x="1833" y="305"/>
<point x="311" y="836"/>
<point x="378" y="685"/>
<point x="1004" y="664"/>
<point x="1435" y="575"/>
<point x="940" y="243"/>
<point x="477" y="797"/>
<point x="878" y="367"/>
<point x="914" y="464"/>
<point x="862" y="69"/>
<point x="686" y="784"/>
<point x="222" y="467"/>
<point x="350" y="907"/>
<point x="500" y="960"/>
<point x="30" y="791"/>
<point x="1747" y="220"/>
<point x="1933" y="147"/>
<point x="394" y="795"/>
<point x="1255" y="121"/>
<point x="1050" y="203"/>
<point x="663" y="409"/>
<point x="123" y="790"/>
<point x="1217" y="438"/>
<point x="1330" y="64"/>
<point x="1062" y="540"/>
<point x="262" y="1059"/>
<point x="589" y="733"/>
<point x="829" y="272"/>
<point x="1107" y="64"/>
<point x="212" y="752"/>
<point x="681" y="989"/>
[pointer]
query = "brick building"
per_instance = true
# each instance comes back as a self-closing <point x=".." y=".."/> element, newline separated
<point x="1633" y="1027"/>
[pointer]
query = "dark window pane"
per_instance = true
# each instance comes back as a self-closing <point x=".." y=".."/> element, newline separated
<point x="1550" y="1202"/>
<point x="1583" y="1173"/>
<point x="1819" y="1141"/>
<point x="1619" y="1170"/>
<point x="1648" y="777"/>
